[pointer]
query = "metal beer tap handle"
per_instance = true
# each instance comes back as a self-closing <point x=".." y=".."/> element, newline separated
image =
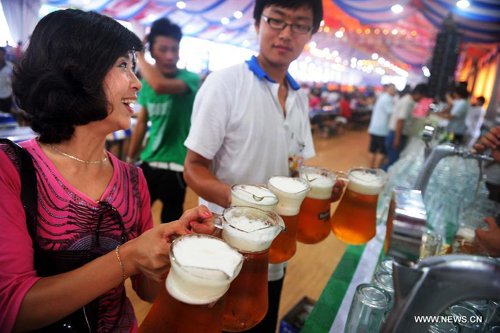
<point x="440" y="152"/>
<point x="429" y="287"/>
<point x="435" y="283"/>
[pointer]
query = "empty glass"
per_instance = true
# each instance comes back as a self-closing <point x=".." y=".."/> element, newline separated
<point x="468" y="319"/>
<point x="368" y="309"/>
<point x="431" y="246"/>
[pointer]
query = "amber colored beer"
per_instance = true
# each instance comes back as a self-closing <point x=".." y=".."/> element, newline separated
<point x="171" y="316"/>
<point x="355" y="218"/>
<point x="390" y="221"/>
<point x="463" y="243"/>
<point x="314" y="217"/>
<point x="251" y="231"/>
<point x="285" y="245"/>
<point x="246" y="299"/>
<point x="314" y="221"/>
<point x="202" y="268"/>
<point x="291" y="192"/>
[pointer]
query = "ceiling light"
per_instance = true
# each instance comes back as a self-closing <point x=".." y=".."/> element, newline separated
<point x="322" y="23"/>
<point x="426" y="71"/>
<point x="375" y="56"/>
<point x="246" y="43"/>
<point x="224" y="20"/>
<point x="181" y="4"/>
<point x="312" y="45"/>
<point x="462" y="4"/>
<point x="237" y="15"/>
<point x="339" y="34"/>
<point x="394" y="31"/>
<point x="397" y="9"/>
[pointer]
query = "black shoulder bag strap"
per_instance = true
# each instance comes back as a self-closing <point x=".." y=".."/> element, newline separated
<point x="29" y="191"/>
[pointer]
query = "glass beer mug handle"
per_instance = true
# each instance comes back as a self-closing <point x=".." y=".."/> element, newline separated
<point x="217" y="221"/>
<point x="343" y="176"/>
<point x="218" y="225"/>
<point x="279" y="219"/>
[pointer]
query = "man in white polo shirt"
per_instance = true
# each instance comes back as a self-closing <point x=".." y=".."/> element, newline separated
<point x="251" y="121"/>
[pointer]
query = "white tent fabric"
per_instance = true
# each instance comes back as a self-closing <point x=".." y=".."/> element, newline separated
<point x="22" y="17"/>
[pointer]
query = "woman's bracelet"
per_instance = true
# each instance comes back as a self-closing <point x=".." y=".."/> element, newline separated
<point x="121" y="263"/>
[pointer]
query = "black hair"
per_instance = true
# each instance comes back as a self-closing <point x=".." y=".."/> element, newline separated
<point x="420" y="88"/>
<point x="60" y="79"/>
<point x="481" y="100"/>
<point x="163" y="27"/>
<point x="315" y="5"/>
<point x="461" y="91"/>
<point x="2" y="49"/>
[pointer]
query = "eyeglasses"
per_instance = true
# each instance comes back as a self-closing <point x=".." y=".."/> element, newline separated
<point x="281" y="25"/>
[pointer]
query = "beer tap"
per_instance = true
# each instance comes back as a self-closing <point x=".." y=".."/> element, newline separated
<point x="429" y="287"/>
<point x="439" y="152"/>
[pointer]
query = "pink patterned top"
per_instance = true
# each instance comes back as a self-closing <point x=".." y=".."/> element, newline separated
<point x="67" y="220"/>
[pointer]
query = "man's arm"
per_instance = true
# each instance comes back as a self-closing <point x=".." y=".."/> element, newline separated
<point x="490" y="140"/>
<point x="448" y="108"/>
<point x="398" y="132"/>
<point x="159" y="83"/>
<point x="138" y="135"/>
<point x="199" y="177"/>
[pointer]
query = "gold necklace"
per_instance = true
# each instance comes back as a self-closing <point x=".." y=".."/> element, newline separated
<point x="78" y="159"/>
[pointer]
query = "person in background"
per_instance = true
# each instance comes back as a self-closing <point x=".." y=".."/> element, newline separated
<point x="167" y="101"/>
<point x="456" y="112"/>
<point x="330" y="96"/>
<point x="345" y="106"/>
<point x="379" y="126"/>
<point x="5" y="82"/>
<point x="474" y="121"/>
<point x="314" y="99"/>
<point x="490" y="239"/>
<point x="400" y="123"/>
<point x="251" y="121"/>
<point x="64" y="269"/>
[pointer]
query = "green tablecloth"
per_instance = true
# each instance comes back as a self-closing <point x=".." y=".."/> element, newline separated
<point x="356" y="266"/>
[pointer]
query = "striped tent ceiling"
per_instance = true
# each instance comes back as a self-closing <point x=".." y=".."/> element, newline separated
<point x="355" y="28"/>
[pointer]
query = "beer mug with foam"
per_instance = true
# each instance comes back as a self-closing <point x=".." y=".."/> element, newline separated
<point x="355" y="219"/>
<point x="251" y="231"/>
<point x="202" y="270"/>
<point x="314" y="217"/>
<point x="290" y="192"/>
<point x="253" y="196"/>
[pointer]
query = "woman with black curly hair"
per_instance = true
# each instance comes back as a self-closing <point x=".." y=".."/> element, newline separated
<point x="93" y="225"/>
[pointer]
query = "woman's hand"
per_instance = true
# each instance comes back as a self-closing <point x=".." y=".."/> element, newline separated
<point x="149" y="253"/>
<point x="199" y="220"/>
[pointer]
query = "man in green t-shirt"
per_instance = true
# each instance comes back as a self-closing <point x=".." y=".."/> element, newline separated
<point x="166" y="98"/>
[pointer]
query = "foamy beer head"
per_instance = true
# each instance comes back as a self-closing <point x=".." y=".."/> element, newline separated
<point x="250" y="229"/>
<point x="320" y="180"/>
<point x="202" y="268"/>
<point x="290" y="192"/>
<point x="367" y="181"/>
<point x="253" y="196"/>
